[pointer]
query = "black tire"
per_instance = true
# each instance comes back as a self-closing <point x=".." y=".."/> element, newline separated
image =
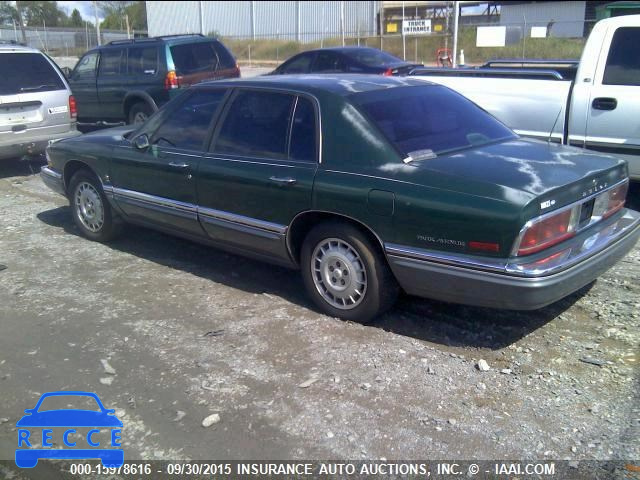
<point x="87" y="199"/>
<point x="138" y="112"/>
<point x="381" y="289"/>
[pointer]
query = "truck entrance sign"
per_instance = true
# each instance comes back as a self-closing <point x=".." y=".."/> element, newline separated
<point x="416" y="27"/>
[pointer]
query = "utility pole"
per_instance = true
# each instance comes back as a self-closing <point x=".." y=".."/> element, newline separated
<point x="456" y="6"/>
<point x="126" y="21"/>
<point x="404" y="40"/>
<point x="95" y="11"/>
<point x="200" y="8"/>
<point x="21" y="22"/>
<point x="342" y="21"/>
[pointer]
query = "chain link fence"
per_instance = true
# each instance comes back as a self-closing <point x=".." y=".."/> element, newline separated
<point x="555" y="40"/>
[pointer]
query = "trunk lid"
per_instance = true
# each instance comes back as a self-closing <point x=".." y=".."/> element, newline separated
<point x="554" y="175"/>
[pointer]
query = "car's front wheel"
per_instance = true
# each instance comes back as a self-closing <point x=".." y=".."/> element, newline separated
<point x="345" y="275"/>
<point x="90" y="208"/>
<point x="139" y="113"/>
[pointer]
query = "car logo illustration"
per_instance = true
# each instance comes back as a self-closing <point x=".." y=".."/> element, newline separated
<point x="69" y="420"/>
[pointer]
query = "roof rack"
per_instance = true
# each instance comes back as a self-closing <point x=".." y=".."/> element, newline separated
<point x="131" y="40"/>
<point x="181" y="35"/>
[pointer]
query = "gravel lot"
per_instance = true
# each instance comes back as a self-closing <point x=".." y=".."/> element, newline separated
<point x="192" y="331"/>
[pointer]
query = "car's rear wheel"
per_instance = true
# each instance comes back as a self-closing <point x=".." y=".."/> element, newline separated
<point x="345" y="275"/>
<point x="139" y="113"/>
<point x="90" y="208"/>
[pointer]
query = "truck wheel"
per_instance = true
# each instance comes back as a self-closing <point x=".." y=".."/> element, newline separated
<point x="90" y="208"/>
<point x="344" y="273"/>
<point x="139" y="113"/>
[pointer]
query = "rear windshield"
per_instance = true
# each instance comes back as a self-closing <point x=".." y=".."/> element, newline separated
<point x="27" y="72"/>
<point x="426" y="121"/>
<point x="371" y="57"/>
<point x="200" y="57"/>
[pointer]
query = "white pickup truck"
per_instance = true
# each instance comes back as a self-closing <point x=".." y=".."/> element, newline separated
<point x="594" y="103"/>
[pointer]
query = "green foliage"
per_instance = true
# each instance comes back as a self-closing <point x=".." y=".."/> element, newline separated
<point x="37" y="13"/>
<point x="115" y="12"/>
<point x="76" y="19"/>
<point x="8" y="13"/>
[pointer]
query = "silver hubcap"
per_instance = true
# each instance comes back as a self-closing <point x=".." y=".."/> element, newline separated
<point x="139" y="117"/>
<point x="89" y="206"/>
<point x="339" y="273"/>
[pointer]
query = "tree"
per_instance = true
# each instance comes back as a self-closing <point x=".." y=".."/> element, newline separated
<point x="115" y="13"/>
<point x="76" y="19"/>
<point x="8" y="13"/>
<point x="37" y="13"/>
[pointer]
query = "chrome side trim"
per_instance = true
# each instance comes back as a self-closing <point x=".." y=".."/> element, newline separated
<point x="191" y="210"/>
<point x="498" y="265"/>
<point x="540" y="218"/>
<point x="205" y="213"/>
<point x="145" y="198"/>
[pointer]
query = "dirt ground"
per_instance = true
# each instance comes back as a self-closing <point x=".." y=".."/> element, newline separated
<point x="190" y="331"/>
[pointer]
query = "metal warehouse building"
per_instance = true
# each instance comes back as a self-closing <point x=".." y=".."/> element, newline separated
<point x="295" y="20"/>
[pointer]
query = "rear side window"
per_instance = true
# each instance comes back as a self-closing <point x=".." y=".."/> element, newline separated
<point x="187" y="126"/>
<point x="27" y="72"/>
<point x="199" y="57"/>
<point x="328" y="62"/>
<point x="302" y="146"/>
<point x="143" y="61"/>
<point x="112" y="62"/>
<point x="423" y="122"/>
<point x="623" y="62"/>
<point x="257" y="125"/>
<point x="225" y="57"/>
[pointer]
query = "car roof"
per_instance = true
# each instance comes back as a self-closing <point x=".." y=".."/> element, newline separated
<point x="340" y="84"/>
<point x="17" y="48"/>
<point x="164" y="40"/>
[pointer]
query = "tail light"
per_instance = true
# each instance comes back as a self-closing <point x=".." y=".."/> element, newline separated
<point x="73" y="108"/>
<point x="171" y="80"/>
<point x="388" y="72"/>
<point x="553" y="228"/>
<point x="611" y="201"/>
<point x="236" y="70"/>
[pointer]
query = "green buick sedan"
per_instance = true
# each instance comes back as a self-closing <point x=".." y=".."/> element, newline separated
<point x="366" y="184"/>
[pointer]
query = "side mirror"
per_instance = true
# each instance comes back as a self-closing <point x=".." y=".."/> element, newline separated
<point x="66" y="71"/>
<point x="141" y="142"/>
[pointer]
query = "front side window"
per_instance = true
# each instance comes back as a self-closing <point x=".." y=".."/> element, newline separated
<point x="623" y="62"/>
<point x="427" y="121"/>
<point x="86" y="67"/>
<point x="143" y="61"/>
<point x="112" y="62"/>
<point x="187" y="126"/>
<point x="256" y="125"/>
<point x="300" y="64"/>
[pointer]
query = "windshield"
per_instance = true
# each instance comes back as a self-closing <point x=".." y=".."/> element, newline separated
<point x="426" y="121"/>
<point x="27" y="72"/>
<point x="371" y="57"/>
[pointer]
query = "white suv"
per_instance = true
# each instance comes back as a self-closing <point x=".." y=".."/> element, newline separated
<point x="36" y="104"/>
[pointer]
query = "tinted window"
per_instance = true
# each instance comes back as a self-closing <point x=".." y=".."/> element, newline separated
<point x="197" y="57"/>
<point x="430" y="120"/>
<point x="328" y="62"/>
<point x="623" y="62"/>
<point x="112" y="62"/>
<point x="86" y="67"/>
<point x="27" y="72"/>
<point x="303" y="132"/>
<point x="225" y="57"/>
<point x="143" y="61"/>
<point x="372" y="57"/>
<point x="299" y="64"/>
<point x="187" y="126"/>
<point x="257" y="125"/>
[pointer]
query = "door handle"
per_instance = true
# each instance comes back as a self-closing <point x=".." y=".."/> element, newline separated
<point x="283" y="180"/>
<point x="178" y="165"/>
<point x="604" y="103"/>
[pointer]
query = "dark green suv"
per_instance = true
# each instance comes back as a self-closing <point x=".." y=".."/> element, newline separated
<point x="128" y="80"/>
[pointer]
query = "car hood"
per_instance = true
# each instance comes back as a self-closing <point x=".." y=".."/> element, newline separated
<point x="69" y="418"/>
<point x="520" y="170"/>
<point x="104" y="136"/>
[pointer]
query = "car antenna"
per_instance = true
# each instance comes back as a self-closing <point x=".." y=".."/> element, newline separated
<point x="554" y="126"/>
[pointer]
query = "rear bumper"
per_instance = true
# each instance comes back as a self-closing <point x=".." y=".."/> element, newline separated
<point x="33" y="144"/>
<point x="517" y="286"/>
<point x="53" y="180"/>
